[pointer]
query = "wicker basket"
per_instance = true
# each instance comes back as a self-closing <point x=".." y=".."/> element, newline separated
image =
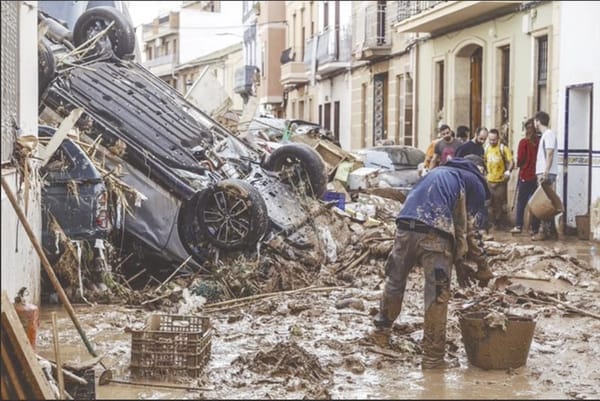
<point x="171" y="346"/>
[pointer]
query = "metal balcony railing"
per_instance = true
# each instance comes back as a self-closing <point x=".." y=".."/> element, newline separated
<point x="372" y="26"/>
<point x="332" y="46"/>
<point x="407" y="9"/>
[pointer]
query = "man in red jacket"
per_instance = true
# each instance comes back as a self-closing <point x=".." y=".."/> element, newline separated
<point x="526" y="157"/>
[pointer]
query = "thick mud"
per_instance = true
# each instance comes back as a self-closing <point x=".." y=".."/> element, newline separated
<point x="311" y="344"/>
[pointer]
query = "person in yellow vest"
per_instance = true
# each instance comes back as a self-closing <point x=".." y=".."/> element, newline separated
<point x="499" y="164"/>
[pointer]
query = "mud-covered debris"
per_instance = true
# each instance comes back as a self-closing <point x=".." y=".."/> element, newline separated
<point x="496" y="319"/>
<point x="352" y="303"/>
<point x="286" y="359"/>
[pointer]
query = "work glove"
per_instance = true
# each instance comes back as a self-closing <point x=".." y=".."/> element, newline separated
<point x="506" y="175"/>
<point x="465" y="275"/>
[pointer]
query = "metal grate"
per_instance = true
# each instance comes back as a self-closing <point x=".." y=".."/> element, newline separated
<point x="10" y="74"/>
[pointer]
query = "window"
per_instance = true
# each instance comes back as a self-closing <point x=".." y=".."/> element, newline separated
<point x="325" y="15"/>
<point x="505" y="65"/>
<point x="301" y="109"/>
<point x="149" y="52"/>
<point x="439" y="98"/>
<point x="405" y="109"/>
<point x="327" y="116"/>
<point x="542" y="73"/>
<point x="336" y="120"/>
<point x="167" y="49"/>
<point x="321" y="115"/>
<point x="310" y="110"/>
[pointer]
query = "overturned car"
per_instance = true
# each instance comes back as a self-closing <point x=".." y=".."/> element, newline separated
<point x="204" y="186"/>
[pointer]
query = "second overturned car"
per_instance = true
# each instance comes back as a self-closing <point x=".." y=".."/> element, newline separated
<point x="202" y="183"/>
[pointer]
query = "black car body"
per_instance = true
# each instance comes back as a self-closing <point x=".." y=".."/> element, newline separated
<point x="203" y="184"/>
<point x="73" y="193"/>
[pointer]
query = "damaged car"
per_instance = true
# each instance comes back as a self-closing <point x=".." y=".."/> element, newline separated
<point x="205" y="187"/>
<point x="390" y="166"/>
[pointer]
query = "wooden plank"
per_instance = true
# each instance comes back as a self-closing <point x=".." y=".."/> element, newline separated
<point x="61" y="133"/>
<point x="59" y="372"/>
<point x="30" y="371"/>
<point x="7" y="392"/>
<point x="11" y="369"/>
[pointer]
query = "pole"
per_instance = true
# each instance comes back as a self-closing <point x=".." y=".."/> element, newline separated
<point x="55" y="283"/>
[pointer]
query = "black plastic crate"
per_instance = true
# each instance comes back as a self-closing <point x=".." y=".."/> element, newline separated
<point x="171" y="346"/>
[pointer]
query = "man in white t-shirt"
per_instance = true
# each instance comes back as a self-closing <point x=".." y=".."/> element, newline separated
<point x="546" y="169"/>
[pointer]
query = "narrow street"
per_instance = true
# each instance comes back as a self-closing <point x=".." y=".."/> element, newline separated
<point x="309" y="334"/>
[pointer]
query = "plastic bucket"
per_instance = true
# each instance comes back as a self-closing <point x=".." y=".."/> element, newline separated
<point x="544" y="203"/>
<point x="493" y="348"/>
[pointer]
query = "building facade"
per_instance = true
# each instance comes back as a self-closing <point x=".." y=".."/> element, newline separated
<point x="173" y="42"/>
<point x="20" y="263"/>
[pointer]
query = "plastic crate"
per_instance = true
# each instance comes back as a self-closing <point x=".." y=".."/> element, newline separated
<point x="339" y="197"/>
<point x="171" y="346"/>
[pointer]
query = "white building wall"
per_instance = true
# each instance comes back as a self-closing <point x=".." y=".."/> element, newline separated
<point x="204" y="32"/>
<point x="20" y="263"/>
<point x="579" y="60"/>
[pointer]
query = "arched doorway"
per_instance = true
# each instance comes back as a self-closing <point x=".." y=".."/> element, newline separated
<point x="468" y="84"/>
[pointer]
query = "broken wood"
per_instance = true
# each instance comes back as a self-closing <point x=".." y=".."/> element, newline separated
<point x="573" y="308"/>
<point x="355" y="262"/>
<point x="136" y="275"/>
<point x="59" y="371"/>
<point x="67" y="374"/>
<point x="173" y="274"/>
<point x="527" y="278"/>
<point x="219" y="306"/>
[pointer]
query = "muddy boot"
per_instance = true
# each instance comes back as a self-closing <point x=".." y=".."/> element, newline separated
<point x="484" y="275"/>
<point x="434" y="336"/>
<point x="389" y="309"/>
<point x="379" y="336"/>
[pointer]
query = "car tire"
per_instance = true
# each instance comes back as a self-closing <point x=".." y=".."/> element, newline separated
<point x="46" y="65"/>
<point x="94" y="20"/>
<point x="232" y="215"/>
<point x="298" y="162"/>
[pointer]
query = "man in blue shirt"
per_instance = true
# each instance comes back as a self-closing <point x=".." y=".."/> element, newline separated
<point x="437" y="227"/>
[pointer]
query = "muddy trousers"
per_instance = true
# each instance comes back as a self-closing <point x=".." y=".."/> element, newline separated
<point x="433" y="252"/>
<point x="498" y="203"/>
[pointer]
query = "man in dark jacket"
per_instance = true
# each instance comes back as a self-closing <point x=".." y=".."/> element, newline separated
<point x="437" y="227"/>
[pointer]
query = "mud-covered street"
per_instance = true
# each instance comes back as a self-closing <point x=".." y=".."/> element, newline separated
<point x="310" y="342"/>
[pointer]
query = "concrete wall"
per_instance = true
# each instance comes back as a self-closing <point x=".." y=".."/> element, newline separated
<point x="20" y="263"/>
<point x="578" y="49"/>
